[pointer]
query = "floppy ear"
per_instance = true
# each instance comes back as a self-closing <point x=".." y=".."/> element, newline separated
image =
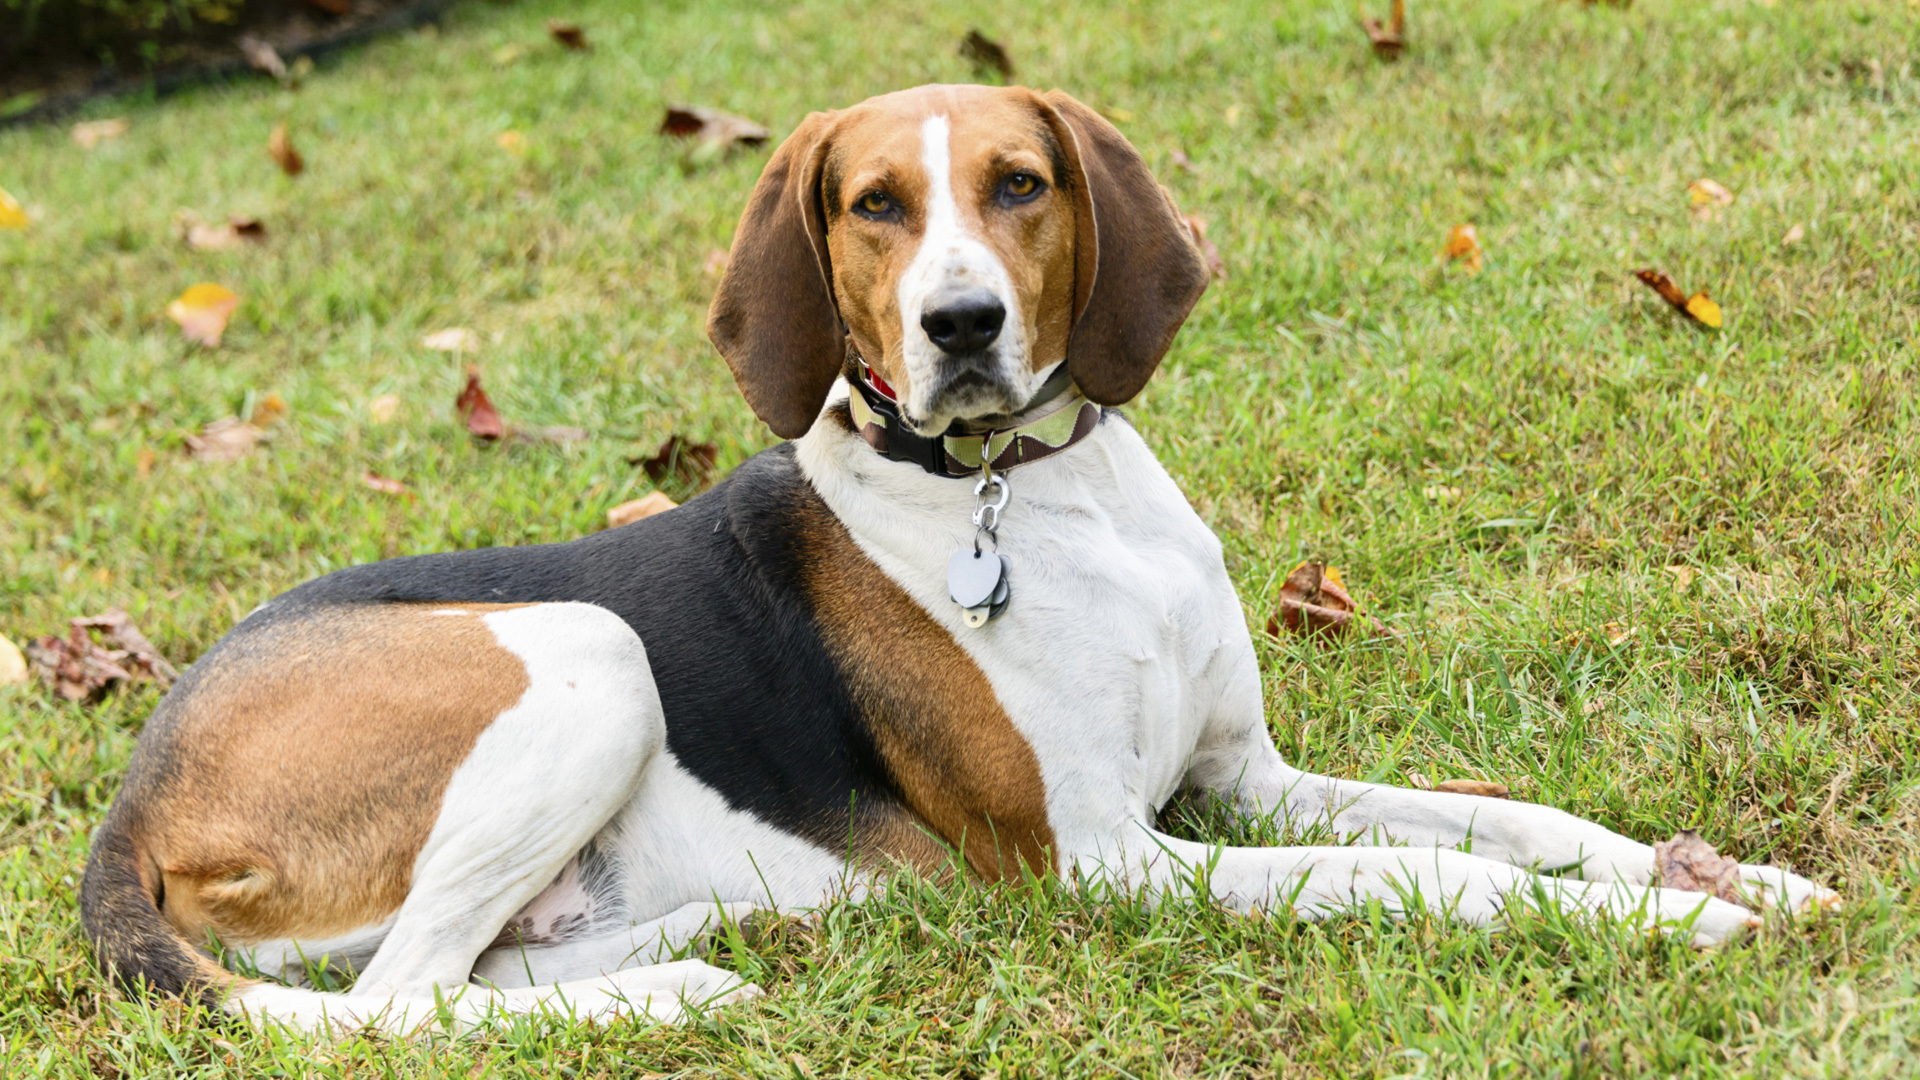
<point x="773" y="317"/>
<point x="1137" y="271"/>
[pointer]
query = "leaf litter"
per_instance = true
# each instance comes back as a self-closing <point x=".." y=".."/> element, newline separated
<point x="1389" y="39"/>
<point x="986" y="55"/>
<point x="231" y="438"/>
<point x="1463" y="247"/>
<point x="78" y="668"/>
<point x="690" y="462"/>
<point x="476" y="409"/>
<point x="569" y="34"/>
<point x="714" y="133"/>
<point x="12" y="214"/>
<point x="1699" y="307"/>
<point x="235" y="231"/>
<point x="1313" y="601"/>
<point x="202" y="312"/>
<point x="280" y="149"/>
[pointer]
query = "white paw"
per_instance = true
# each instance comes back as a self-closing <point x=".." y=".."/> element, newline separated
<point x="1715" y="922"/>
<point x="1772" y="887"/>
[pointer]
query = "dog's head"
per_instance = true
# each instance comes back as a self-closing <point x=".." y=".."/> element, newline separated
<point x="966" y="239"/>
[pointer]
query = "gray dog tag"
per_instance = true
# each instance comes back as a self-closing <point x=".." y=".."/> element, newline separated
<point x="977" y="581"/>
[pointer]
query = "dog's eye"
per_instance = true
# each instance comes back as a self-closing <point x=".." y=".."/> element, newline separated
<point x="1020" y="187"/>
<point x="874" y="204"/>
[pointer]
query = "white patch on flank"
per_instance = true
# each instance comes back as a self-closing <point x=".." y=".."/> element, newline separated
<point x="952" y="262"/>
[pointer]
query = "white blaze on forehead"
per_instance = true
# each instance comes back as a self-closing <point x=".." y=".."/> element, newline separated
<point x="950" y="262"/>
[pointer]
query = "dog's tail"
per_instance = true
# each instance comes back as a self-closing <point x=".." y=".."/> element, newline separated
<point x="133" y="942"/>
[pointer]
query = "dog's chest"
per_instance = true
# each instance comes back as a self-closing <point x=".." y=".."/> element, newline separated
<point x="1122" y="622"/>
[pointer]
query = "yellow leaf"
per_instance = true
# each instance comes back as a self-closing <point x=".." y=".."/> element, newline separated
<point x="11" y="215"/>
<point x="1703" y="310"/>
<point x="202" y="312"/>
<point x="1463" y="244"/>
<point x="1705" y="192"/>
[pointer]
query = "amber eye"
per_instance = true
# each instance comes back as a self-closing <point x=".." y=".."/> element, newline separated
<point x="1020" y="185"/>
<point x="874" y="203"/>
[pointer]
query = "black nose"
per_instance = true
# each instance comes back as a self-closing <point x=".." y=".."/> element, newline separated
<point x="967" y="325"/>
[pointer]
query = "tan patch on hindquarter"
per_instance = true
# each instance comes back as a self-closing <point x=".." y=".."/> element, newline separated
<point x="995" y="131"/>
<point x="307" y="767"/>
<point x="953" y="754"/>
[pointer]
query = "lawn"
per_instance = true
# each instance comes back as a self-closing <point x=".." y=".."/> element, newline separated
<point x="1656" y="575"/>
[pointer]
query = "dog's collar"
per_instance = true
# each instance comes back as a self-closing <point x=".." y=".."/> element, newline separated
<point x="1058" y="418"/>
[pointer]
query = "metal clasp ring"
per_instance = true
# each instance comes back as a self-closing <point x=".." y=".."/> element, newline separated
<point x="986" y="515"/>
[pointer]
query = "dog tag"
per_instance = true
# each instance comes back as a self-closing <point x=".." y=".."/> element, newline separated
<point x="982" y="578"/>
<point x="972" y="577"/>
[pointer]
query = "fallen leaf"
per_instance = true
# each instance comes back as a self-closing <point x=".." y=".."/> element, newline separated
<point x="986" y="54"/>
<point x="143" y="462"/>
<point x="201" y="236"/>
<point x="716" y="264"/>
<point x="1705" y="197"/>
<point x="1794" y="235"/>
<point x="11" y="214"/>
<point x="452" y="339"/>
<point x="478" y="412"/>
<point x="202" y="312"/>
<point x="226" y="439"/>
<point x="333" y="7"/>
<point x="713" y="131"/>
<point x="269" y="411"/>
<point x="77" y="668"/>
<point x="91" y="133"/>
<point x="689" y="461"/>
<point x="1486" y="789"/>
<point x="384" y="485"/>
<point x="13" y="664"/>
<point x="264" y="57"/>
<point x="1682" y="576"/>
<point x="1216" y="266"/>
<point x="1463" y="246"/>
<point x="1388" y="40"/>
<point x="634" y="509"/>
<point x="569" y="34"/>
<point x="1419" y="780"/>
<point x="1689" y="863"/>
<point x="1313" y="601"/>
<point x="384" y="408"/>
<point x="280" y="149"/>
<point x="512" y="142"/>
<point x="1697" y="307"/>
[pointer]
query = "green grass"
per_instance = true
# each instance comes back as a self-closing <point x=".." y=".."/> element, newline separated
<point x="1503" y="466"/>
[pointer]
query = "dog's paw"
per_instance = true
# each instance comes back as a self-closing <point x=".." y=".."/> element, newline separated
<point x="1772" y="887"/>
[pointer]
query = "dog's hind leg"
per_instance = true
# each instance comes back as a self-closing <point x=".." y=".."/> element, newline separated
<point x="540" y="782"/>
<point x="647" y="943"/>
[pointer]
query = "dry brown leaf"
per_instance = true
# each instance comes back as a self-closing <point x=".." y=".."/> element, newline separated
<point x="1216" y="266"/>
<point x="1416" y="779"/>
<point x="477" y="410"/>
<point x="12" y="216"/>
<point x="986" y="54"/>
<point x="226" y="439"/>
<point x="1689" y="863"/>
<point x="384" y="408"/>
<point x="452" y="339"/>
<point x="264" y="57"/>
<point x="13" y="664"/>
<point x="280" y="149"/>
<point x="77" y="668"/>
<point x="384" y="485"/>
<point x="91" y="133"/>
<point x="1705" y="198"/>
<point x="714" y="132"/>
<point x="569" y="34"/>
<point x="1486" y="789"/>
<point x="689" y="461"/>
<point x="202" y="312"/>
<point x="1463" y="246"/>
<point x="143" y="462"/>
<point x="1794" y="235"/>
<point x="269" y="411"/>
<point x="200" y="236"/>
<point x="1388" y="40"/>
<point x="634" y="509"/>
<point x="1698" y="307"/>
<point x="1313" y="601"/>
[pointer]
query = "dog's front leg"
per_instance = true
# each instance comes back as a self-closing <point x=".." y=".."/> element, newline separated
<point x="1315" y="882"/>
<point x="1238" y="761"/>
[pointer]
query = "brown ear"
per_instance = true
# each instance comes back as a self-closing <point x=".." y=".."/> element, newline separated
<point x="1137" y="272"/>
<point x="773" y="317"/>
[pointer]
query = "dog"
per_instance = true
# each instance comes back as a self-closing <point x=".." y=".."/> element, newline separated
<point x="962" y="617"/>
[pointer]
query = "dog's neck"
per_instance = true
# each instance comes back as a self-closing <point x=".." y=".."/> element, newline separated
<point x="1055" y="418"/>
